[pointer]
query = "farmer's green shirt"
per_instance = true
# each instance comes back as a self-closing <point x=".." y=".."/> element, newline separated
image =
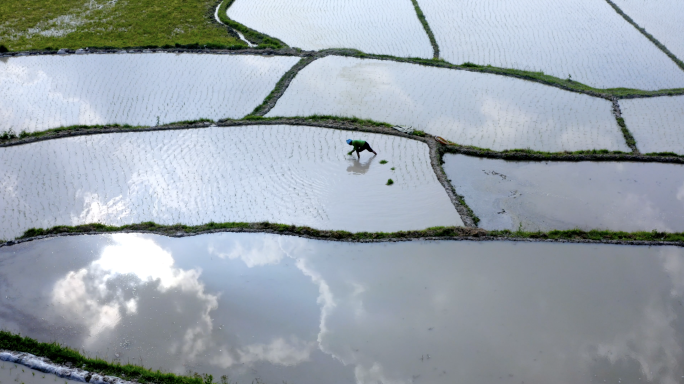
<point x="356" y="144"/>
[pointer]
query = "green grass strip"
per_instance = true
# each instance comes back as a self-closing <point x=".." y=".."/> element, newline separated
<point x="428" y="30"/>
<point x="60" y="354"/>
<point x="433" y="232"/>
<point x="262" y="40"/>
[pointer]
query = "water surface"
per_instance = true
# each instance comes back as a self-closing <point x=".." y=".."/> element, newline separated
<point x="42" y="92"/>
<point x="388" y="27"/>
<point x="533" y="196"/>
<point x="662" y="19"/>
<point x="304" y="311"/>
<point x="656" y="123"/>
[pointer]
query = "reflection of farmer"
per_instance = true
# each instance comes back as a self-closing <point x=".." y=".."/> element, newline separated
<point x="359" y="146"/>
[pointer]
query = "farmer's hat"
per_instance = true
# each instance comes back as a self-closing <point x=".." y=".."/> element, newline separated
<point x="349" y="141"/>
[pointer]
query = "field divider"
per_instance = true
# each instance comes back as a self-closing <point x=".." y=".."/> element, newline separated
<point x="468" y="217"/>
<point x="428" y="30"/>
<point x="264" y="50"/>
<point x="281" y="86"/>
<point x="351" y="124"/>
<point x="434" y="233"/>
<point x="629" y="139"/>
<point x="655" y="41"/>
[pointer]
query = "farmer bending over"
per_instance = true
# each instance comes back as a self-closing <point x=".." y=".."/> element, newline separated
<point x="359" y="146"/>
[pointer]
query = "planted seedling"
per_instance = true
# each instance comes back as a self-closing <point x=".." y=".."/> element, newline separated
<point x="390" y="181"/>
<point x="392" y="168"/>
<point x="383" y="161"/>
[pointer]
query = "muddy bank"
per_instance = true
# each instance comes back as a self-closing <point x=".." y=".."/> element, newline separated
<point x="44" y="364"/>
<point x="440" y="233"/>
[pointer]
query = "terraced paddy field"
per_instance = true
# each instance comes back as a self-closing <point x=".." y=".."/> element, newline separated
<point x="585" y="40"/>
<point x="467" y="108"/>
<point x="43" y="92"/>
<point x="656" y="123"/>
<point x="284" y="174"/>
<point x="660" y="21"/>
<point x="282" y="308"/>
<point x="386" y="27"/>
<point x="561" y="195"/>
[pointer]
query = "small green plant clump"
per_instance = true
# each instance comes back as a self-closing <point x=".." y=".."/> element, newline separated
<point x="419" y="133"/>
<point x="392" y="168"/>
<point x="390" y="181"/>
<point x="383" y="161"/>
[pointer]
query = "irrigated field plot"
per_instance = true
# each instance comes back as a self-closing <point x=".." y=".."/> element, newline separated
<point x="387" y="27"/>
<point x="42" y="92"/>
<point x="282" y="174"/>
<point x="585" y="195"/>
<point x="585" y="39"/>
<point x="286" y="309"/>
<point x="656" y="123"/>
<point x="662" y="19"/>
<point x="467" y="108"/>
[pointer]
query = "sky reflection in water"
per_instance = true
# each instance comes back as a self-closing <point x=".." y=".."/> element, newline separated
<point x="303" y="311"/>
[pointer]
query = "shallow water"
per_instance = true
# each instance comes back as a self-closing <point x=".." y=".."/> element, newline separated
<point x="656" y="123"/>
<point x="304" y="311"/>
<point x="468" y="108"/>
<point x="585" y="39"/>
<point x="389" y="27"/>
<point x="565" y="195"/>
<point x="42" y="92"/>
<point x="282" y="174"/>
<point x="11" y="373"/>
<point x="663" y="20"/>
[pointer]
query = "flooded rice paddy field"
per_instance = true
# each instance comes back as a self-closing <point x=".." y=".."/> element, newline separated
<point x="656" y="123"/>
<point x="585" y="39"/>
<point x="305" y="311"/>
<point x="482" y="110"/>
<point x="566" y="195"/>
<point x="283" y="174"/>
<point x="386" y="27"/>
<point x="42" y="92"/>
<point x="660" y="20"/>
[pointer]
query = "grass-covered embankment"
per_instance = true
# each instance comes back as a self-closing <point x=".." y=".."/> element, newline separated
<point x="261" y="39"/>
<point x="37" y="25"/>
<point x="453" y="233"/>
<point x="67" y="356"/>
